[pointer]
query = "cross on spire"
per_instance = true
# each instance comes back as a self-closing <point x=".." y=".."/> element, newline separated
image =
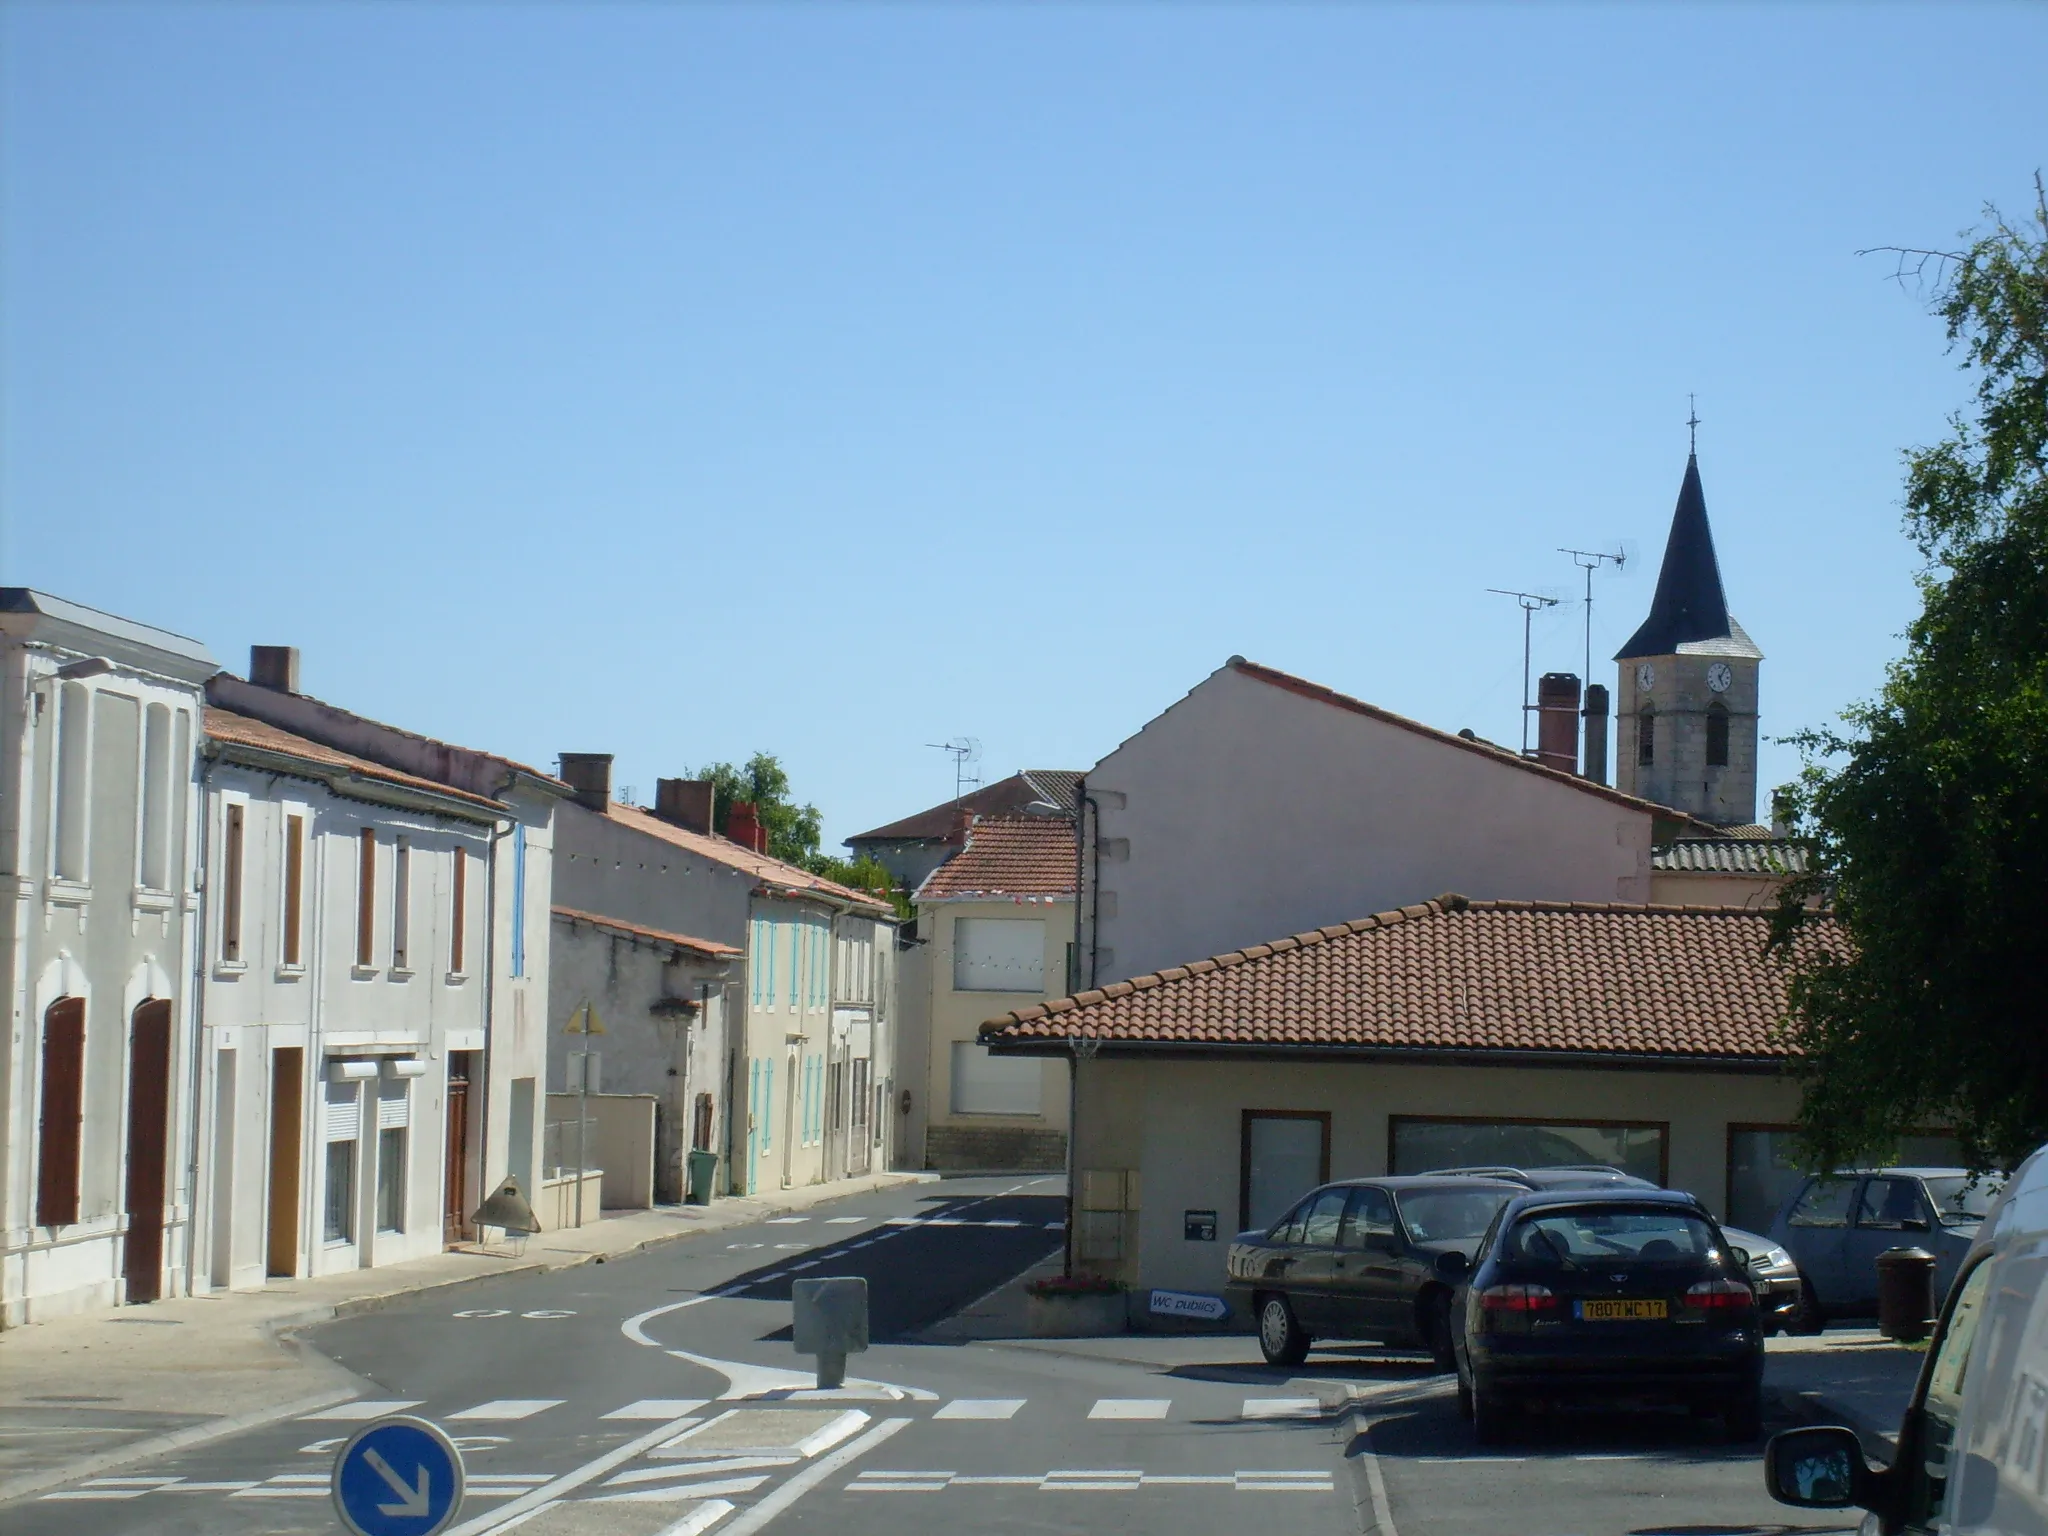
<point x="1692" y="421"/>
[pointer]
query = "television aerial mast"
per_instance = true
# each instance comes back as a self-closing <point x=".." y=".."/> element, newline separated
<point x="1589" y="561"/>
<point x="965" y="752"/>
<point x="1532" y="603"/>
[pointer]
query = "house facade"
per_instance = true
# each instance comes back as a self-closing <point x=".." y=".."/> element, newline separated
<point x="912" y="847"/>
<point x="99" y="846"/>
<point x="995" y="929"/>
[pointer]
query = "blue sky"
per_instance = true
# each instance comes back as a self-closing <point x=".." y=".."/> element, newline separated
<point x="678" y="381"/>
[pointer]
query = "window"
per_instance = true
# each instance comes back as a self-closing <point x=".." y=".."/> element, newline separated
<point x="401" y="904"/>
<point x="153" y="870"/>
<point x="1281" y="1154"/>
<point x="1325" y="1215"/>
<point x="519" y="900"/>
<point x="341" y="1192"/>
<point x="1369" y="1221"/>
<point x="294" y="888"/>
<point x="835" y="1111"/>
<point x="1646" y="738"/>
<point x="60" y="1125"/>
<point x="1824" y="1204"/>
<point x="366" y="897"/>
<point x="1717" y="736"/>
<point x="1763" y="1171"/>
<point x="1423" y="1145"/>
<point x="994" y="1085"/>
<point x="1891" y="1204"/>
<point x="458" y="910"/>
<point x="231" y="889"/>
<point x="391" y="1179"/>
<point x="999" y="954"/>
<point x="861" y="1068"/>
<point x="1582" y="1237"/>
<point x="74" y="780"/>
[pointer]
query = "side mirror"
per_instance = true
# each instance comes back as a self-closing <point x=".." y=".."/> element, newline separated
<point x="1817" y="1468"/>
<point x="1453" y="1266"/>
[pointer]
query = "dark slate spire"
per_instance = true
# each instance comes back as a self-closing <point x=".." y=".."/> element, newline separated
<point x="1689" y="604"/>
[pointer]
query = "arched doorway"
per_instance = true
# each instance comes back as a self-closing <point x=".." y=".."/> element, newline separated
<point x="149" y="1133"/>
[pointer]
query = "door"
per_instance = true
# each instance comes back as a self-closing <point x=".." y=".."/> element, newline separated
<point x="455" y="1185"/>
<point x="1312" y="1282"/>
<point x="149" y="1132"/>
<point x="1890" y="1213"/>
<point x="1816" y="1231"/>
<point x="1283" y="1155"/>
<point x="287" y="1124"/>
<point x="1366" y="1291"/>
<point x="225" y="1127"/>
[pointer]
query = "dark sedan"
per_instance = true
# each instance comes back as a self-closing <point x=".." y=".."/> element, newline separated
<point x="1364" y="1259"/>
<point x="1616" y="1295"/>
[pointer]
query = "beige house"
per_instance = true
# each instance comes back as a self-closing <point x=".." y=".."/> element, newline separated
<point x="995" y="925"/>
<point x="1452" y="1033"/>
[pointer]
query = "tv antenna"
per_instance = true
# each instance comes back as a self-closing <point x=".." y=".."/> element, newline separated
<point x="1532" y="603"/>
<point x="1589" y="561"/>
<point x="965" y="752"/>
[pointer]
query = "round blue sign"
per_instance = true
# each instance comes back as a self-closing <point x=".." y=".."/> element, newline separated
<point x="397" y="1477"/>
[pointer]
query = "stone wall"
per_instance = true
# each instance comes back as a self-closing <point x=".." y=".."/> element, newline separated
<point x="1006" y="1149"/>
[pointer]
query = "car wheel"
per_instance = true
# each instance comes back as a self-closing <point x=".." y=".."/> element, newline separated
<point x="1281" y="1340"/>
<point x="1808" y="1316"/>
<point x="1436" y="1331"/>
<point x="1743" y="1416"/>
<point x="1491" y="1418"/>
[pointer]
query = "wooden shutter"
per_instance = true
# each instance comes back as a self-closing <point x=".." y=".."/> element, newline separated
<point x="458" y="917"/>
<point x="366" y="899"/>
<point x="231" y="892"/>
<point x="60" y="1132"/>
<point x="294" y="884"/>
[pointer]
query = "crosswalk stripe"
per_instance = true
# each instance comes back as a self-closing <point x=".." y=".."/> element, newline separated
<point x="786" y="1221"/>
<point x="1282" y="1408"/>
<point x="505" y="1408"/>
<point x="360" y="1409"/>
<point x="844" y="1221"/>
<point x="658" y="1410"/>
<point x="1131" y="1408"/>
<point x="980" y="1408"/>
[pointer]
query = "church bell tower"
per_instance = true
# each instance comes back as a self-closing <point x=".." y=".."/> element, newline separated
<point x="1686" y="704"/>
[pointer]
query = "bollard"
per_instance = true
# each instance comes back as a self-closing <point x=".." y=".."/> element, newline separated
<point x="830" y="1318"/>
<point x="1905" y="1293"/>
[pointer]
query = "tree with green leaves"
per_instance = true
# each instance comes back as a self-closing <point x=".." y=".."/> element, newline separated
<point x="1925" y="818"/>
<point x="795" y="831"/>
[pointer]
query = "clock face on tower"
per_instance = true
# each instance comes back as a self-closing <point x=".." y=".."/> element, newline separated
<point x="1719" y="676"/>
<point x="1646" y="677"/>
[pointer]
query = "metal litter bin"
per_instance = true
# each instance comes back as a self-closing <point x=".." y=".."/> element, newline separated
<point x="703" y="1176"/>
<point x="1905" y="1293"/>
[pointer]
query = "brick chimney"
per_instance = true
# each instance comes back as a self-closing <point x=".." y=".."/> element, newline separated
<point x="685" y="802"/>
<point x="1596" y="733"/>
<point x="275" y="667"/>
<point x="1557" y="721"/>
<point x="590" y="775"/>
<point x="744" y="827"/>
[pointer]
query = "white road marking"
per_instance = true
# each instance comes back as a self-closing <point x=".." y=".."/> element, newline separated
<point x="845" y="1221"/>
<point x="266" y="1492"/>
<point x="762" y="1514"/>
<point x="785" y="1221"/>
<point x="88" y="1494"/>
<point x="980" y="1408"/>
<point x="1282" y="1408"/>
<point x="1117" y="1480"/>
<point x="702" y="1468"/>
<point x="1131" y="1408"/>
<point x="680" y="1491"/>
<point x="206" y="1487"/>
<point x="128" y="1482"/>
<point x="503" y="1408"/>
<point x="360" y="1409"/>
<point x="548" y="1493"/>
<point x="657" y="1408"/>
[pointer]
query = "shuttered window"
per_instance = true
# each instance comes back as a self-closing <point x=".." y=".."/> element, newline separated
<point x="458" y="915"/>
<point x="366" y="898"/>
<point x="294" y="886"/>
<point x="401" y="905"/>
<point x="231" y="889"/>
<point x="63" y="1112"/>
<point x="394" y="1105"/>
<point x="342" y="1119"/>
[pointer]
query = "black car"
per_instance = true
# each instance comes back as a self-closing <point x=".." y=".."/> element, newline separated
<point x="1560" y="1176"/>
<point x="1619" y="1295"/>
<point x="1362" y="1259"/>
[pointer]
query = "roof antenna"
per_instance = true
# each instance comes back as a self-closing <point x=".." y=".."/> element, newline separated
<point x="1589" y="561"/>
<point x="1532" y="603"/>
<point x="965" y="751"/>
<point x="1692" y="422"/>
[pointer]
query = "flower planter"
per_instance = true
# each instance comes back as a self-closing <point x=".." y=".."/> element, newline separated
<point x="1074" y="1315"/>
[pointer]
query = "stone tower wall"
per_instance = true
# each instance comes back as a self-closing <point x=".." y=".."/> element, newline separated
<point x="1679" y="777"/>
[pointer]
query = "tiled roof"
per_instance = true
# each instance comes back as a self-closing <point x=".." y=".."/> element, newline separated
<point x="1451" y="977"/>
<point x="710" y="947"/>
<point x="1309" y="690"/>
<point x="227" y="727"/>
<point x="1730" y="856"/>
<point x="1006" y="797"/>
<point x="1008" y="856"/>
<point x="774" y="875"/>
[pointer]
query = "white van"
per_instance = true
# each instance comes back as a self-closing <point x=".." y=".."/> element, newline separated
<point x="1973" y="1450"/>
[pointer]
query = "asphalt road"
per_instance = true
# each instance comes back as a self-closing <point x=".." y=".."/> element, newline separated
<point x="659" y="1394"/>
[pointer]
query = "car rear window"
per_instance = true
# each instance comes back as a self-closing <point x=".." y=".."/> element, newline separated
<point x="1959" y="1200"/>
<point x="1449" y="1215"/>
<point x="1575" y="1238"/>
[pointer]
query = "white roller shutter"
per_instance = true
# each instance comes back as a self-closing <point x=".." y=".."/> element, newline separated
<point x="394" y="1105"/>
<point x="343" y="1119"/>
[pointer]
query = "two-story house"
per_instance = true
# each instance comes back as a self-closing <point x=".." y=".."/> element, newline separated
<point x="99" y="717"/>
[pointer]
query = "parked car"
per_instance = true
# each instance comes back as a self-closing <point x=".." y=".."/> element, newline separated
<point x="1835" y="1225"/>
<point x="1620" y="1295"/>
<point x="1972" y="1454"/>
<point x="1361" y="1259"/>
<point x="1559" y="1176"/>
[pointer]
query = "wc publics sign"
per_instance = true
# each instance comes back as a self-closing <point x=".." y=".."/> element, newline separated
<point x="1189" y="1304"/>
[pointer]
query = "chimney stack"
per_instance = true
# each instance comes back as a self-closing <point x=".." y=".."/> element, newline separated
<point x="744" y="827"/>
<point x="590" y="775"/>
<point x="1557" y="721"/>
<point x="275" y="667"/>
<point x="1596" y="733"/>
<point x="685" y="802"/>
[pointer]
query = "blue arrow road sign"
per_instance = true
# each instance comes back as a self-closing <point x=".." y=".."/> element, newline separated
<point x="397" y="1477"/>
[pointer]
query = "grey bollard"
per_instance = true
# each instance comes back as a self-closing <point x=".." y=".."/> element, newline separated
<point x="830" y="1318"/>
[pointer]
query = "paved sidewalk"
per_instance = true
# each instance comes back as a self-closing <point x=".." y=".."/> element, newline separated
<point x="81" y="1394"/>
<point x="1852" y="1376"/>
